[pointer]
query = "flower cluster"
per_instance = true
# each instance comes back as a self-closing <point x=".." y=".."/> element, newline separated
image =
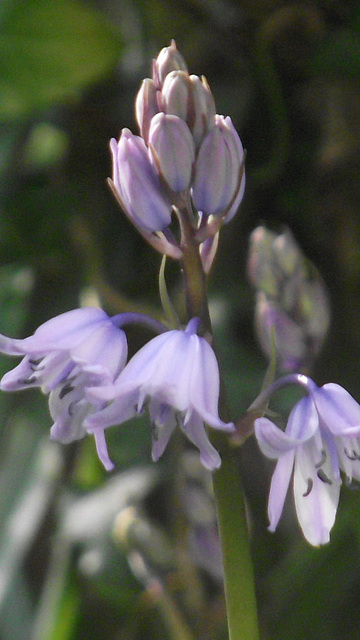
<point x="291" y="299"/>
<point x="321" y="439"/>
<point x="188" y="162"/>
<point x="79" y="359"/>
<point x="188" y="159"/>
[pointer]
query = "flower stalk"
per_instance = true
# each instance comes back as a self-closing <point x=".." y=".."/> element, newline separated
<point x="229" y="498"/>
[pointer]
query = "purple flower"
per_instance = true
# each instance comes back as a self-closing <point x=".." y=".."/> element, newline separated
<point x="138" y="185"/>
<point x="176" y="377"/>
<point x="321" y="439"/>
<point x="78" y="349"/>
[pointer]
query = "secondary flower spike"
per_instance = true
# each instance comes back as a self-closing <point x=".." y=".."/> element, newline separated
<point x="321" y="439"/>
<point x="175" y="377"/>
<point x="291" y="299"/>
<point x="78" y="349"/>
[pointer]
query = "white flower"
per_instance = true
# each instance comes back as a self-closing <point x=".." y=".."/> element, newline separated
<point x="321" y="439"/>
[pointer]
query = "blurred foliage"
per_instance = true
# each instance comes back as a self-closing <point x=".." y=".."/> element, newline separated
<point x="288" y="73"/>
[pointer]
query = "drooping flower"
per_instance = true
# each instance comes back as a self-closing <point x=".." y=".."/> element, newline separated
<point x="78" y="349"/>
<point x="175" y="377"/>
<point x="321" y="439"/>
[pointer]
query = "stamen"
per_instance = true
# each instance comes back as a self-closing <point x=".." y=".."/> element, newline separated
<point x="323" y="459"/>
<point x="65" y="390"/>
<point x="34" y="364"/>
<point x="309" y="487"/>
<point x="323" y="477"/>
<point x="353" y="455"/>
<point x="30" y="380"/>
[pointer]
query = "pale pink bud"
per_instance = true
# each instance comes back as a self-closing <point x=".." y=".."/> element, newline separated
<point x="137" y="183"/>
<point x="169" y="59"/>
<point x="219" y="174"/>
<point x="146" y="106"/>
<point x="204" y="108"/>
<point x="177" y="94"/>
<point x="173" y="149"/>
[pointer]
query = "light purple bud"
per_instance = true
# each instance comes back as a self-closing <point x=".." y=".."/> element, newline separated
<point x="219" y="172"/>
<point x="204" y="107"/>
<point x="137" y="184"/>
<point x="146" y="106"/>
<point x="169" y="59"/>
<point x="174" y="150"/>
<point x="177" y="94"/>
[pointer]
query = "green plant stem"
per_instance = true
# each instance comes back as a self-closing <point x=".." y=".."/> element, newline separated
<point x="234" y="538"/>
<point x="229" y="498"/>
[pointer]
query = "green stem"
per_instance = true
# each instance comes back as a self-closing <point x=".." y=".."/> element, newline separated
<point x="234" y="539"/>
<point x="229" y="498"/>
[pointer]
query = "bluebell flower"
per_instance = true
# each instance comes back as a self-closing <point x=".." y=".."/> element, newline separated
<point x="175" y="377"/>
<point x="321" y="440"/>
<point x="66" y="355"/>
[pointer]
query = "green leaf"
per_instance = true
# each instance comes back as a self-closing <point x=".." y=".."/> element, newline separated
<point x="49" y="51"/>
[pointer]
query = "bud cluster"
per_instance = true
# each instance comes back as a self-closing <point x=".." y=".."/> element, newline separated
<point x="291" y="299"/>
<point x="188" y="159"/>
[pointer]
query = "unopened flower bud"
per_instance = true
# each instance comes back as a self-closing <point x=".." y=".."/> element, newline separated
<point x="169" y="59"/>
<point x="290" y="340"/>
<point x="219" y="175"/>
<point x="204" y="108"/>
<point x="287" y="252"/>
<point x="260" y="261"/>
<point x="146" y="106"/>
<point x="137" y="183"/>
<point x="173" y="149"/>
<point x="177" y="94"/>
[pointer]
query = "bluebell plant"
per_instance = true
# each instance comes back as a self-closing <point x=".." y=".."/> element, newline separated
<point x="178" y="182"/>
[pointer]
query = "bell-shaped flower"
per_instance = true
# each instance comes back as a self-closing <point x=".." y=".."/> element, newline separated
<point x="78" y="349"/>
<point x="175" y="377"/>
<point x="321" y="439"/>
<point x="137" y="184"/>
<point x="219" y="182"/>
<point x="173" y="149"/>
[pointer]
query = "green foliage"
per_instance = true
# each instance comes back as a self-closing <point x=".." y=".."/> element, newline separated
<point x="49" y="51"/>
